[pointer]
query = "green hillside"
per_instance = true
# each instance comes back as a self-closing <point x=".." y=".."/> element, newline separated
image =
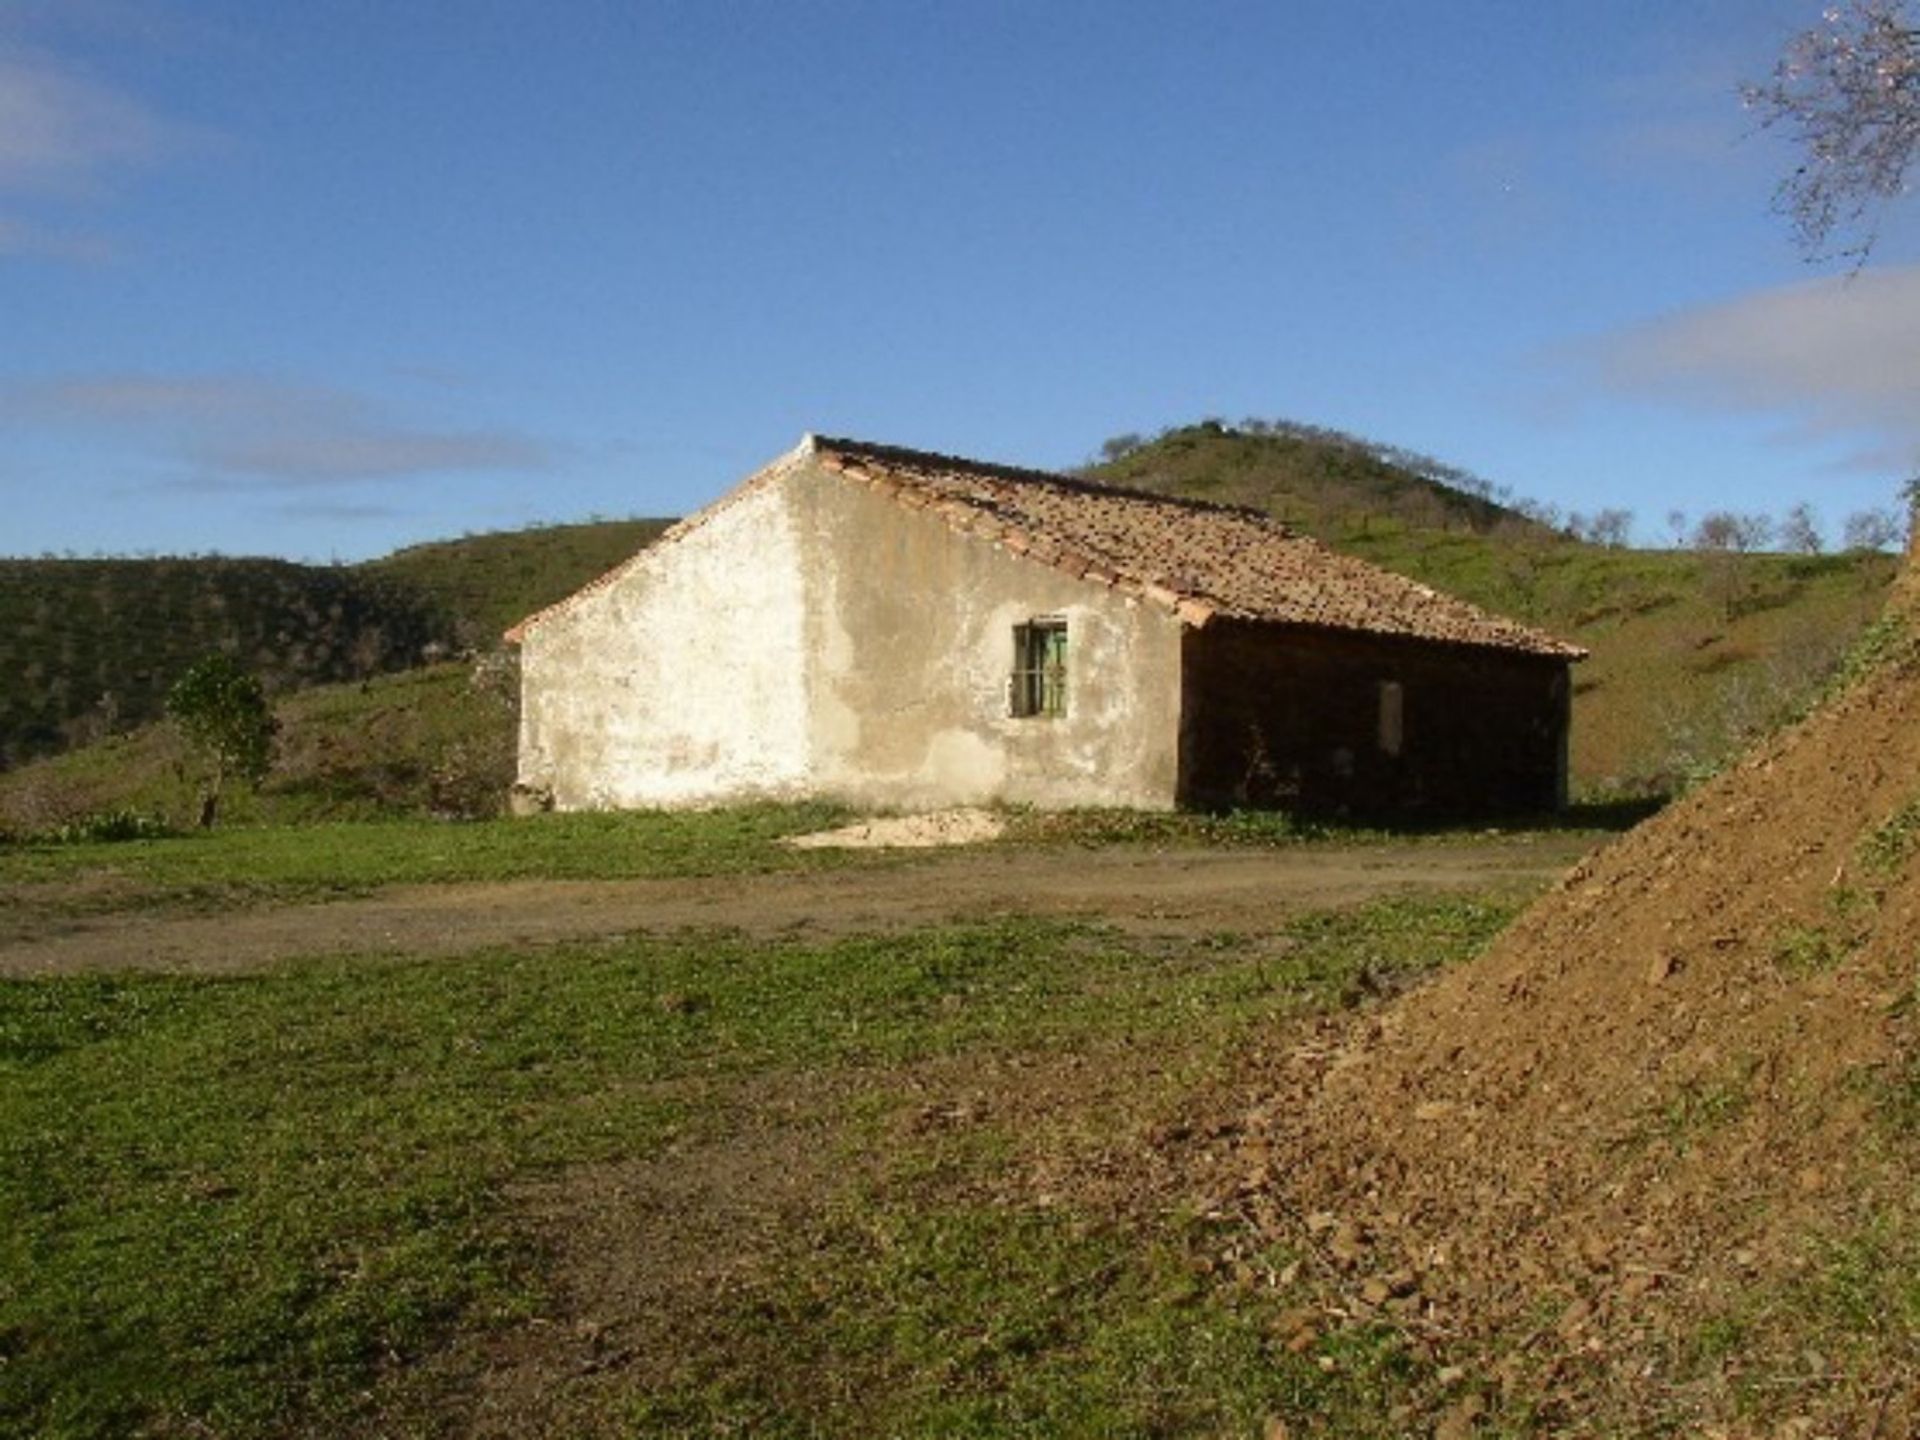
<point x="90" y="647"/>
<point x="1311" y="477"/>
<point x="488" y="582"/>
<point x="436" y="740"/>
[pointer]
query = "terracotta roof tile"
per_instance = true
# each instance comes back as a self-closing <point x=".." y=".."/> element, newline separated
<point x="1197" y="559"/>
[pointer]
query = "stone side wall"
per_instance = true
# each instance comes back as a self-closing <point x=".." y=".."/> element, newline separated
<point x="910" y="633"/>
<point x="1285" y="717"/>
<point x="683" y="681"/>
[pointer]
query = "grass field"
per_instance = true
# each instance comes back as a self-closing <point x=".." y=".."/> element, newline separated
<point x="357" y="1196"/>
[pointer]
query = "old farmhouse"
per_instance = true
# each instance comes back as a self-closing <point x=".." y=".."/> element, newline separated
<point x="897" y="629"/>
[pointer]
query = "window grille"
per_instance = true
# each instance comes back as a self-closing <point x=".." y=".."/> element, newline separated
<point x="1039" y="684"/>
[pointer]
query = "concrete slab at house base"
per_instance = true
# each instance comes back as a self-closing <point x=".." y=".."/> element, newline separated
<point x="899" y="630"/>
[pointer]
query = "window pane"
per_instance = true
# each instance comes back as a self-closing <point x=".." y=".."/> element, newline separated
<point x="1039" y="681"/>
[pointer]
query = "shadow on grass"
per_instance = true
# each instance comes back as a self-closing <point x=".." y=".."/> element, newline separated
<point x="1614" y="814"/>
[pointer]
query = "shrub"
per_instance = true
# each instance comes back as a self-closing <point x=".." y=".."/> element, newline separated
<point x="109" y="826"/>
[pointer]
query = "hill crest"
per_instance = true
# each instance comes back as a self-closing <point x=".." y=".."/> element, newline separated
<point x="1313" y="477"/>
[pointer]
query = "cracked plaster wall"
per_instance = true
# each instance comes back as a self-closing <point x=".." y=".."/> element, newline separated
<point x="683" y="682"/>
<point x="911" y="642"/>
<point x="810" y="637"/>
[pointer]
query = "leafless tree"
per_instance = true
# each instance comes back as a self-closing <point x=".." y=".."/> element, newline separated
<point x="1543" y="513"/>
<point x="1847" y="92"/>
<point x="1724" y="539"/>
<point x="1800" y="531"/>
<point x="1877" y="529"/>
<point x="1728" y="530"/>
<point x="1609" y="527"/>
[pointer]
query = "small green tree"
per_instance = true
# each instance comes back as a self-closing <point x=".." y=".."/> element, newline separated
<point x="222" y="712"/>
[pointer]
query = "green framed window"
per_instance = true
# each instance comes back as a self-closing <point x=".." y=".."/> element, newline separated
<point x="1039" y="684"/>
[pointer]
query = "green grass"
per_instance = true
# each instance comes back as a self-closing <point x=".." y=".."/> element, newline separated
<point x="1276" y="829"/>
<point x="239" y="864"/>
<point x="968" y="1322"/>
<point x="1246" y="829"/>
<point x="1800" y="950"/>
<point x="262" y="1205"/>
<point x="1838" y="1335"/>
<point x="1889" y="845"/>
<point x="1698" y="1107"/>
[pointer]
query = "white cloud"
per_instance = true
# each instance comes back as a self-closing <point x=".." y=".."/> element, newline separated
<point x="1836" y="359"/>
<point x="65" y="135"/>
<point x="249" y="433"/>
<point x="60" y="129"/>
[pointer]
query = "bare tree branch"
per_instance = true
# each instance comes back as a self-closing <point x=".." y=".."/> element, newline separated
<point x="1848" y="94"/>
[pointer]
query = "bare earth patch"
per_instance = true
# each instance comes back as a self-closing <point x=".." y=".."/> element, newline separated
<point x="1174" y="892"/>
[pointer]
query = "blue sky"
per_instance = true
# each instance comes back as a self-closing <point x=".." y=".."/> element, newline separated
<point x="320" y="280"/>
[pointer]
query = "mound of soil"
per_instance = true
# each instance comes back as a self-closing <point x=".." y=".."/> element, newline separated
<point x="1601" y="1175"/>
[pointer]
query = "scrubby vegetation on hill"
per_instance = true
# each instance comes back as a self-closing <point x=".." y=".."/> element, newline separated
<point x="90" y="647"/>
<point x="436" y="740"/>
<point x="1310" y="476"/>
<point x="486" y="583"/>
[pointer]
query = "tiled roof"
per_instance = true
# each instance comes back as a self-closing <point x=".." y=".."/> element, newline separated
<point x="1197" y="559"/>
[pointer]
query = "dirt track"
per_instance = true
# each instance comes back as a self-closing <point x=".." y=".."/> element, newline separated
<point x="1177" y="892"/>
